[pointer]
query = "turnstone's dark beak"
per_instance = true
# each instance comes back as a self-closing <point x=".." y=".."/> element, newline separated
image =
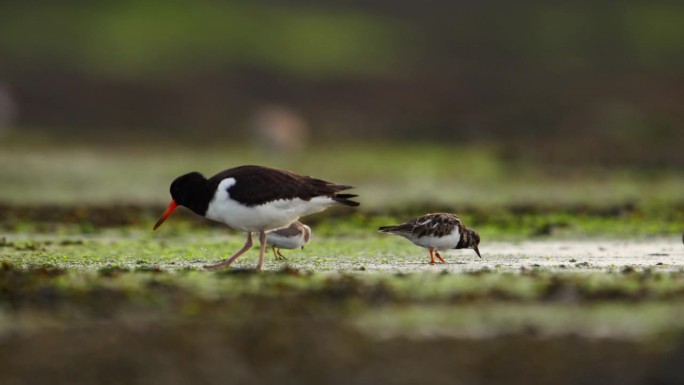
<point x="477" y="251"/>
<point x="172" y="206"/>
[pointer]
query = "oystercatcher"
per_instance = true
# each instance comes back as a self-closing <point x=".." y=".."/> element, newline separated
<point x="254" y="199"/>
<point x="439" y="231"/>
<point x="292" y="237"/>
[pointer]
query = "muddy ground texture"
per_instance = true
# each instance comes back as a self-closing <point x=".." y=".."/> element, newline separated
<point x="91" y="295"/>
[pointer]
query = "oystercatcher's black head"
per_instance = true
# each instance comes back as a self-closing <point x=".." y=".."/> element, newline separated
<point x="190" y="190"/>
<point x="470" y="239"/>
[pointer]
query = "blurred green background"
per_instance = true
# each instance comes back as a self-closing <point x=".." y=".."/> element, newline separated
<point x="564" y="82"/>
<point x="440" y="101"/>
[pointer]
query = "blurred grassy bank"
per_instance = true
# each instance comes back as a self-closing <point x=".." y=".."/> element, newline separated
<point x="71" y="187"/>
<point x="386" y="175"/>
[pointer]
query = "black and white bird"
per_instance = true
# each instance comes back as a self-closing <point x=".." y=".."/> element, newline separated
<point x="438" y="231"/>
<point x="254" y="199"/>
<point x="292" y="237"/>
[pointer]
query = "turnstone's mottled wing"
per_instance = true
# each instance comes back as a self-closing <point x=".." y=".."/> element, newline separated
<point x="436" y="225"/>
<point x="256" y="185"/>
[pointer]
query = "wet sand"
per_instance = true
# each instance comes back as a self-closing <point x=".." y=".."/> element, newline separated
<point x="665" y="254"/>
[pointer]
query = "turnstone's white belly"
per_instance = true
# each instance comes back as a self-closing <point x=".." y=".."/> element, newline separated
<point x="445" y="242"/>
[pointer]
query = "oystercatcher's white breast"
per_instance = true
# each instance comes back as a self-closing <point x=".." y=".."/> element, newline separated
<point x="445" y="242"/>
<point x="268" y="216"/>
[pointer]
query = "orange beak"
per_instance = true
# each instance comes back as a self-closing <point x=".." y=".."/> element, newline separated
<point x="172" y="206"/>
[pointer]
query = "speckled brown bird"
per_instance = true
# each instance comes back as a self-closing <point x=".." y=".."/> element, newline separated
<point x="438" y="231"/>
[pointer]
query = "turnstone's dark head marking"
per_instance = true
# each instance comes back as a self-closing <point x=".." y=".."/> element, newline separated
<point x="254" y="199"/>
<point x="297" y="235"/>
<point x="438" y="231"/>
<point x="469" y="239"/>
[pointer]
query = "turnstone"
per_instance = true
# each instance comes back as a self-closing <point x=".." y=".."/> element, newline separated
<point x="254" y="199"/>
<point x="439" y="231"/>
<point x="292" y="237"/>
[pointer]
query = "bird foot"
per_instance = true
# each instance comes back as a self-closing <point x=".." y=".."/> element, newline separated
<point x="279" y="256"/>
<point x="216" y="266"/>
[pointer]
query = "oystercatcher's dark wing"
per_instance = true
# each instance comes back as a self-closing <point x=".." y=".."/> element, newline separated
<point x="256" y="185"/>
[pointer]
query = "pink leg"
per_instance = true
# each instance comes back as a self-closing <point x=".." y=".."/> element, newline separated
<point x="262" y="240"/>
<point x="232" y="259"/>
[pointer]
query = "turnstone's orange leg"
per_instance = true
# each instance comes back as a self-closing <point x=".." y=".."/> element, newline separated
<point x="432" y="257"/>
<point x="439" y="256"/>
<point x="232" y="259"/>
<point x="262" y="251"/>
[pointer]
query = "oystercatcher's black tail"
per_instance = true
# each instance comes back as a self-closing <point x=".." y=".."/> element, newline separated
<point x="345" y="199"/>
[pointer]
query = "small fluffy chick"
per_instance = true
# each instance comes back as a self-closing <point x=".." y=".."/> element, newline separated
<point x="295" y="236"/>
